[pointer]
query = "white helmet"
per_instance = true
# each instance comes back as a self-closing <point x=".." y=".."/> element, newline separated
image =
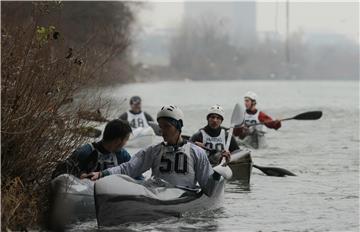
<point x="216" y="109"/>
<point x="251" y="95"/>
<point x="170" y="111"/>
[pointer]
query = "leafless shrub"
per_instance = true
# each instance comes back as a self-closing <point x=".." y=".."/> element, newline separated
<point x="43" y="104"/>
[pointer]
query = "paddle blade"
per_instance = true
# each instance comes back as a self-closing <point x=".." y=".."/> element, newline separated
<point x="237" y="116"/>
<point x="312" y="115"/>
<point x="223" y="170"/>
<point x="274" y="171"/>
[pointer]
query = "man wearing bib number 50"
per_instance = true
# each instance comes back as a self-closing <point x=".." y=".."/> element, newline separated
<point x="135" y="116"/>
<point x="213" y="136"/>
<point x="173" y="160"/>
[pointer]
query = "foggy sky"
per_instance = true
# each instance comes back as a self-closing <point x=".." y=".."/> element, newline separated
<point x="310" y="16"/>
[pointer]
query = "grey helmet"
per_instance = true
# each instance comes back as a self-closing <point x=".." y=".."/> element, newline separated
<point x="216" y="109"/>
<point x="251" y="95"/>
<point x="172" y="112"/>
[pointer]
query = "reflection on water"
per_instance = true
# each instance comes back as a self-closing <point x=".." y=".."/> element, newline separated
<point x="237" y="186"/>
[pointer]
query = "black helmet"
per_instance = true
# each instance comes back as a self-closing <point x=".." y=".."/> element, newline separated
<point x="135" y="100"/>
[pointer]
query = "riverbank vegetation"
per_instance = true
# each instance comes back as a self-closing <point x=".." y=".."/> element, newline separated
<point x="52" y="51"/>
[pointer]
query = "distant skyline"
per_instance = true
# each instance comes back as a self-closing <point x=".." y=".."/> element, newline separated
<point x="237" y="19"/>
<point x="311" y="17"/>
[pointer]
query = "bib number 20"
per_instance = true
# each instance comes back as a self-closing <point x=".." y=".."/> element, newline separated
<point x="217" y="146"/>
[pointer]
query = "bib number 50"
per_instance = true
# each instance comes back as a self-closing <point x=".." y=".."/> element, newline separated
<point x="179" y="165"/>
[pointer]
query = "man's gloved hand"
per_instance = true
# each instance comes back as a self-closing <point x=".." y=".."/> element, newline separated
<point x="225" y="154"/>
<point x="91" y="175"/>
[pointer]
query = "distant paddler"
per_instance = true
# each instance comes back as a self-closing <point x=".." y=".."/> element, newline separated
<point x="135" y="116"/>
<point x="213" y="136"/>
<point x="252" y="131"/>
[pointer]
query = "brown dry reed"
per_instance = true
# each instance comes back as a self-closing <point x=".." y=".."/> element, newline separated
<point x="43" y="80"/>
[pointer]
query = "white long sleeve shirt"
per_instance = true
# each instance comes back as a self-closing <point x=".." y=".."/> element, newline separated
<point x="186" y="166"/>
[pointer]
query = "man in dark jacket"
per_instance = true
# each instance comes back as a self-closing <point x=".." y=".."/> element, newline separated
<point x="98" y="156"/>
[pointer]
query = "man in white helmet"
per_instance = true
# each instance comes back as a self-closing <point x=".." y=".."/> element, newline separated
<point x="254" y="116"/>
<point x="213" y="136"/>
<point x="173" y="160"/>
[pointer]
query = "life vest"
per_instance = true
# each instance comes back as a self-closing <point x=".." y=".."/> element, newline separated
<point x="214" y="143"/>
<point x="251" y="119"/>
<point x="175" y="165"/>
<point x="95" y="161"/>
<point x="104" y="161"/>
<point x="137" y="120"/>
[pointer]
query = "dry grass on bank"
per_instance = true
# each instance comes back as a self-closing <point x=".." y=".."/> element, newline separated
<point x="40" y="78"/>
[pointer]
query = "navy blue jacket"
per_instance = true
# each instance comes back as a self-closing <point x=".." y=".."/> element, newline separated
<point x="87" y="157"/>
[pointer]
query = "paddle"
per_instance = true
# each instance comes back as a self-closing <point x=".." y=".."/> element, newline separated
<point x="311" y="115"/>
<point x="269" y="171"/>
<point x="237" y="117"/>
<point x="274" y="171"/>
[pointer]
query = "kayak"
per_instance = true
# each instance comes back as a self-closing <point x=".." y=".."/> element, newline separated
<point x="72" y="199"/>
<point x="120" y="199"/>
<point x="141" y="137"/>
<point x="241" y="165"/>
<point x="255" y="140"/>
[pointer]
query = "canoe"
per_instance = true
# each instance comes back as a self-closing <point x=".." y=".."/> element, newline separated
<point x="72" y="199"/>
<point x="141" y="137"/>
<point x="255" y="140"/>
<point x="120" y="199"/>
<point x="241" y="165"/>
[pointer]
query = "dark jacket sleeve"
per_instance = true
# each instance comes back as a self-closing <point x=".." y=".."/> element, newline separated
<point x="77" y="163"/>
<point x="123" y="156"/>
<point x="123" y="116"/>
<point x="148" y="117"/>
<point x="197" y="137"/>
<point x="86" y="157"/>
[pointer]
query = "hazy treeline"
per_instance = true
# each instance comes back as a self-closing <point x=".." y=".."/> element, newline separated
<point x="52" y="51"/>
<point x="202" y="49"/>
<point x="90" y="30"/>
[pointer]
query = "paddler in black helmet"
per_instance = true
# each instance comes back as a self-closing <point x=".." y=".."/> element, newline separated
<point x="135" y="116"/>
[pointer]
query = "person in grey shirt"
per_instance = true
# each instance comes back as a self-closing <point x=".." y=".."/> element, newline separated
<point x="176" y="161"/>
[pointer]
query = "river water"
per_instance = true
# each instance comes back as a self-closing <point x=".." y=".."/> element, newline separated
<point x="324" y="196"/>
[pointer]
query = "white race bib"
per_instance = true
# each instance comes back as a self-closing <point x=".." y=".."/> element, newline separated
<point x="214" y="143"/>
<point x="137" y="120"/>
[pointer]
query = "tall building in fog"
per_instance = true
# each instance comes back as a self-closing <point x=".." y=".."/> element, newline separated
<point x="238" y="18"/>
